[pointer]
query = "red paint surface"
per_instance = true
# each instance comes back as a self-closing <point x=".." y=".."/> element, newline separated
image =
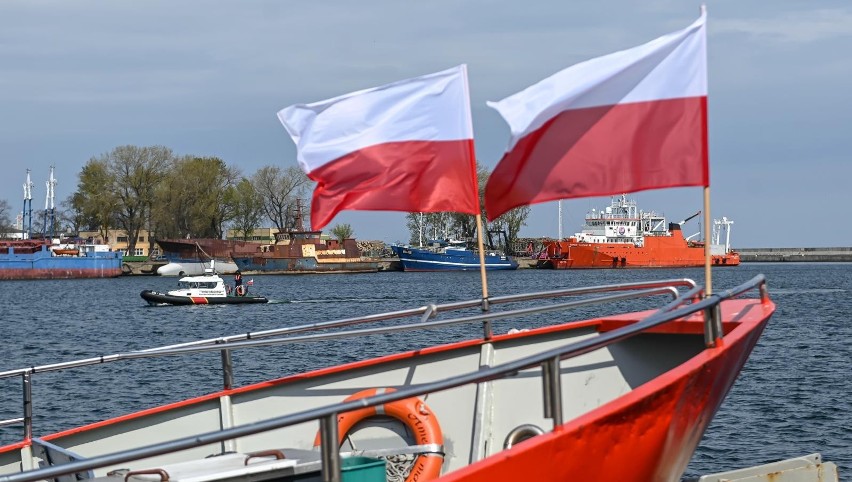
<point x="604" y="150"/>
<point x="649" y="434"/>
<point x="657" y="252"/>
<point x="414" y="176"/>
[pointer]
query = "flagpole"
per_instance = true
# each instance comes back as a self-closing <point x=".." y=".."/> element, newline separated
<point x="708" y="273"/>
<point x="479" y="230"/>
<point x="482" y="262"/>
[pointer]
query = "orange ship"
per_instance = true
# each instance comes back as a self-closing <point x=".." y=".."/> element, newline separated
<point x="621" y="236"/>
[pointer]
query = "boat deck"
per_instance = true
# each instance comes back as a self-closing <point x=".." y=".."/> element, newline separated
<point x="493" y="406"/>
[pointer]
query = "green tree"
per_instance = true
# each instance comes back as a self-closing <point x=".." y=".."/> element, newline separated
<point x="135" y="172"/>
<point x="95" y="198"/>
<point x="342" y="232"/>
<point x="5" y="213"/>
<point x="196" y="198"/>
<point x="248" y="208"/>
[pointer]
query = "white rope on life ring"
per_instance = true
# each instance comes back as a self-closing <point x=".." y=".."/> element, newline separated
<point x="413" y="413"/>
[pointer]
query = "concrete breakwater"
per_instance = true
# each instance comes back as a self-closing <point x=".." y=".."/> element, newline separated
<point x="757" y="255"/>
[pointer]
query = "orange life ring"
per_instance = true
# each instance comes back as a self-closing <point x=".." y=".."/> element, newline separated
<point x="241" y="290"/>
<point x="415" y="414"/>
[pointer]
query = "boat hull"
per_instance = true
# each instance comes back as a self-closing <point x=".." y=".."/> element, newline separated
<point x="189" y="257"/>
<point x="634" y="410"/>
<point x="648" y="434"/>
<point x="413" y="259"/>
<point x="157" y="298"/>
<point x="195" y="267"/>
<point x="658" y="252"/>
<point x="304" y="265"/>
<point x="40" y="263"/>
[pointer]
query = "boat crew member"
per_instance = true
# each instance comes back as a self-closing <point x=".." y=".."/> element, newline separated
<point x="238" y="283"/>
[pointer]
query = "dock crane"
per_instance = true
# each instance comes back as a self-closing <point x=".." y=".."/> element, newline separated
<point x="687" y="219"/>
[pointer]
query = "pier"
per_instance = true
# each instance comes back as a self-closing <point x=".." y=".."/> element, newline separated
<point x="806" y="255"/>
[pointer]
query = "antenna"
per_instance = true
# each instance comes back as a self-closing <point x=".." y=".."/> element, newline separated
<point x="49" y="209"/>
<point x="28" y="209"/>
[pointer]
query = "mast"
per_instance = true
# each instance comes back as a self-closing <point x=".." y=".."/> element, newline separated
<point x="49" y="208"/>
<point x="28" y="209"/>
<point x="560" y="220"/>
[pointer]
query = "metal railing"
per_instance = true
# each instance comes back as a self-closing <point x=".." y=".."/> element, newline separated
<point x="681" y="306"/>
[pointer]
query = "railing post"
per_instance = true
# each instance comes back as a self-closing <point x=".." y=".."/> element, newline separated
<point x="712" y="325"/>
<point x="552" y="387"/>
<point x="329" y="449"/>
<point x="487" y="330"/>
<point x="227" y="368"/>
<point x="28" y="405"/>
<point x="764" y="292"/>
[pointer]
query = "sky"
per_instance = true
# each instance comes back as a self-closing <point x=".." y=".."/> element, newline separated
<point x="206" y="78"/>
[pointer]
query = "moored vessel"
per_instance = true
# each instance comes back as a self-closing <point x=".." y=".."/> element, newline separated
<point x="49" y="257"/>
<point x="447" y="255"/>
<point x="301" y="250"/>
<point x="36" y="259"/>
<point x="190" y="257"/>
<point x="622" y="236"/>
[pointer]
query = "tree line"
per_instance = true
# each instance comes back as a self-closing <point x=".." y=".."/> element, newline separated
<point x="151" y="188"/>
<point x="134" y="188"/>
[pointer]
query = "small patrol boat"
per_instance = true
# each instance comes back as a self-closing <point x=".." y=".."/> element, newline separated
<point x="208" y="289"/>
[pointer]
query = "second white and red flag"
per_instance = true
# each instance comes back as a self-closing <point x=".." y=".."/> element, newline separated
<point x="625" y="122"/>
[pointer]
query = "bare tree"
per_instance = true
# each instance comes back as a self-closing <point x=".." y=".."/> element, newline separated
<point x="248" y="208"/>
<point x="280" y="190"/>
<point x="135" y="172"/>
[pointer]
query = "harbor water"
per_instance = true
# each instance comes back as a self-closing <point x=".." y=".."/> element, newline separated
<point x="792" y="398"/>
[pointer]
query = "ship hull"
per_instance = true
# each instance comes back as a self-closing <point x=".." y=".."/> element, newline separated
<point x="195" y="267"/>
<point x="41" y="264"/>
<point x="306" y="265"/>
<point x="204" y="248"/>
<point x="157" y="298"/>
<point x="413" y="259"/>
<point x="658" y="252"/>
<point x="189" y="257"/>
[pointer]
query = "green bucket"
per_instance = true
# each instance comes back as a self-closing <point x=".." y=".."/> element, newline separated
<point x="362" y="469"/>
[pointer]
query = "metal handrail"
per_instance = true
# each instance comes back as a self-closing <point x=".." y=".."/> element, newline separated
<point x="431" y="309"/>
<point x="256" y="339"/>
<point x="426" y="312"/>
<point x="328" y="414"/>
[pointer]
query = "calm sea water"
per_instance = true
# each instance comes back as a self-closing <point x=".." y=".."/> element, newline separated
<point x="792" y="398"/>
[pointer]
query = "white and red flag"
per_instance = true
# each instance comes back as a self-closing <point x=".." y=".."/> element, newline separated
<point x="625" y="122"/>
<point x="405" y="146"/>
